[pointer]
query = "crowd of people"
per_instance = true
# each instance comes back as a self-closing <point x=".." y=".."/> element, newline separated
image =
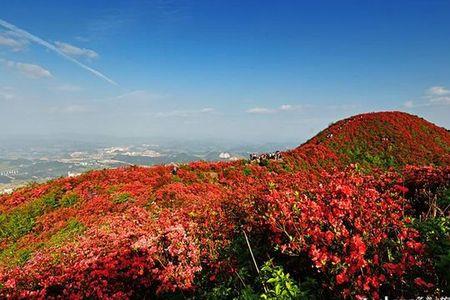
<point x="265" y="156"/>
<point x="254" y="157"/>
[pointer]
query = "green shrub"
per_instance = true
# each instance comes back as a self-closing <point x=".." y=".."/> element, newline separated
<point x="21" y="220"/>
<point x="247" y="171"/>
<point x="123" y="198"/>
<point x="72" y="229"/>
<point x="435" y="233"/>
<point x="69" y="199"/>
<point x="11" y="256"/>
<point x="279" y="285"/>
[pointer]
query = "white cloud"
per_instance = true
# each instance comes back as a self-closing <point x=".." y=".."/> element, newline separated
<point x="29" y="70"/>
<point x="265" y="110"/>
<point x="260" y="110"/>
<point x="438" y="95"/>
<point x="30" y="37"/>
<point x="75" y="51"/>
<point x="408" y="104"/>
<point x="11" y="40"/>
<point x="436" y="91"/>
<point x="185" y="113"/>
<point x="286" y="107"/>
<point x="433" y="96"/>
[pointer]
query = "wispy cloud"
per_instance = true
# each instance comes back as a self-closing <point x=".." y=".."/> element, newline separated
<point x="29" y="70"/>
<point x="26" y="35"/>
<point x="408" y="104"/>
<point x="137" y="95"/>
<point x="438" y="95"/>
<point x="436" y="91"/>
<point x="75" y="51"/>
<point x="185" y="113"/>
<point x="265" y="110"/>
<point x="9" y="39"/>
<point x="260" y="110"/>
<point x="435" y="95"/>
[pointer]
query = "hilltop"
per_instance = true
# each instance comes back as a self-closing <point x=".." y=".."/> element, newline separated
<point x="382" y="139"/>
<point x="334" y="213"/>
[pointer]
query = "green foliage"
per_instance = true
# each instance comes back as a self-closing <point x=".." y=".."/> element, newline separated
<point x="286" y="167"/>
<point x="435" y="233"/>
<point x="21" y="220"/>
<point x="72" y="229"/>
<point x="122" y="198"/>
<point x="16" y="255"/>
<point x="273" y="283"/>
<point x="247" y="171"/>
<point x="11" y="256"/>
<point x="272" y="185"/>
<point x="444" y="200"/>
<point x="176" y="178"/>
<point x="221" y="292"/>
<point x="278" y="284"/>
<point x="50" y="200"/>
<point x="358" y="154"/>
<point x="69" y="199"/>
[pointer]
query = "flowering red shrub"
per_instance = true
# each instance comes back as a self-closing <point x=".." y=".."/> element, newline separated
<point x="386" y="138"/>
<point x="424" y="184"/>
<point x="138" y="231"/>
<point x="352" y="228"/>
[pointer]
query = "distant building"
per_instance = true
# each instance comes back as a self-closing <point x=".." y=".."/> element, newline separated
<point x="6" y="191"/>
<point x="73" y="174"/>
<point x="224" y="155"/>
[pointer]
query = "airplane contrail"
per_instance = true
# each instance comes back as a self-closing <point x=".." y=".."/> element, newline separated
<point x="38" y="40"/>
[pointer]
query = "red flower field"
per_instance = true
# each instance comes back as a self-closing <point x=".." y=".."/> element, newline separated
<point x="360" y="210"/>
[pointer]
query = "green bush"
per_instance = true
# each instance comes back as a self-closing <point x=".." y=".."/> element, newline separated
<point x="279" y="285"/>
<point x="11" y="256"/>
<point x="435" y="233"/>
<point x="247" y="171"/>
<point x="21" y="220"/>
<point x="273" y="283"/>
<point x="123" y="198"/>
<point x="69" y="200"/>
<point x="72" y="229"/>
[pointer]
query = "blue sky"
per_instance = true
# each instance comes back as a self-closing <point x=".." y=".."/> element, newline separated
<point x="242" y="70"/>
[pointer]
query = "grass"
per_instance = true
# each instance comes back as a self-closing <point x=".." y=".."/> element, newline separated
<point x="72" y="229"/>
<point x="12" y="256"/>
<point x="123" y="198"/>
<point x="17" y="255"/>
<point x="69" y="200"/>
<point x="21" y="220"/>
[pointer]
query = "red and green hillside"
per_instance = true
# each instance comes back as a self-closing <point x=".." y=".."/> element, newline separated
<point x="382" y="139"/>
<point x="318" y="224"/>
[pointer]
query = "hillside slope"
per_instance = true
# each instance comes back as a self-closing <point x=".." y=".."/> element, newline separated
<point x="382" y="139"/>
<point x="135" y="232"/>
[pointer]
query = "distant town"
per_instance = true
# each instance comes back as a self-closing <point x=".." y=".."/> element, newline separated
<point x="23" y="163"/>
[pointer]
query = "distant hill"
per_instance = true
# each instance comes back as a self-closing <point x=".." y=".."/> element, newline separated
<point x="170" y="231"/>
<point x="380" y="139"/>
